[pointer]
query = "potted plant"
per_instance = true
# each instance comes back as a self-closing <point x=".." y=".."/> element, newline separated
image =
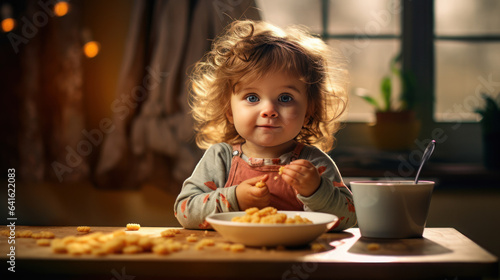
<point x="490" y="125"/>
<point x="395" y="127"/>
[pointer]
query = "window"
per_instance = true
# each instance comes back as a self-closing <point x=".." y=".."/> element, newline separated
<point x="467" y="51"/>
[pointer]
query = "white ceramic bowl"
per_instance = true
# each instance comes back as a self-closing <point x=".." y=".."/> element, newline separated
<point x="272" y="234"/>
<point x="392" y="209"/>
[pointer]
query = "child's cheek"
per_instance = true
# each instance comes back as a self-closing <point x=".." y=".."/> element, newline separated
<point x="294" y="114"/>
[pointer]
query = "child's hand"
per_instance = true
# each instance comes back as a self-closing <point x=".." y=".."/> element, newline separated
<point x="250" y="196"/>
<point x="303" y="176"/>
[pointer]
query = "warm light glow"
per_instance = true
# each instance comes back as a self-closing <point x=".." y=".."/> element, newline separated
<point x="8" y="24"/>
<point x="91" y="49"/>
<point x="61" y="8"/>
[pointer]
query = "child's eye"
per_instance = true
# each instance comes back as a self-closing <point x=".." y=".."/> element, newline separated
<point x="285" y="98"/>
<point x="252" y="98"/>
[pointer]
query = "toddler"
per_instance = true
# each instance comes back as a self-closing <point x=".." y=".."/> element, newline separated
<point x="267" y="104"/>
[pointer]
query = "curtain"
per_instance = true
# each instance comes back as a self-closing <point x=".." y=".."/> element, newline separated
<point x="153" y="138"/>
<point x="42" y="106"/>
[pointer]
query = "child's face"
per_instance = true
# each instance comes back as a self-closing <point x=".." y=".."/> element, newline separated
<point x="269" y="112"/>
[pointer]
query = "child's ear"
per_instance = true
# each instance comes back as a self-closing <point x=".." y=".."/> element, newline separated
<point x="229" y="115"/>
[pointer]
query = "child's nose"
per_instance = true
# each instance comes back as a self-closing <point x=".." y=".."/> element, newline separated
<point x="268" y="111"/>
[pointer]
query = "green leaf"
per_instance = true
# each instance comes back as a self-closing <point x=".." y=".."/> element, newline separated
<point x="408" y="93"/>
<point x="370" y="100"/>
<point x="386" y="89"/>
<point x="394" y="65"/>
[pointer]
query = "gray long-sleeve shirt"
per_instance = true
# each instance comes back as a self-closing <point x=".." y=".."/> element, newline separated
<point x="203" y="193"/>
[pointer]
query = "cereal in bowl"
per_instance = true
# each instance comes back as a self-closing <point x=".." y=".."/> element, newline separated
<point x="269" y="215"/>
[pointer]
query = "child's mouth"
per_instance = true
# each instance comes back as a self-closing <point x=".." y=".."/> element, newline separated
<point x="267" y="126"/>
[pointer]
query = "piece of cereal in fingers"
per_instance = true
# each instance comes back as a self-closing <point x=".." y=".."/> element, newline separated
<point x="280" y="171"/>
<point x="260" y="184"/>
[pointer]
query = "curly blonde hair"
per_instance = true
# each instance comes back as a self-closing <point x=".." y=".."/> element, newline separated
<point x="250" y="49"/>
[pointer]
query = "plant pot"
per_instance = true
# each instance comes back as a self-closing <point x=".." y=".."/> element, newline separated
<point x="395" y="131"/>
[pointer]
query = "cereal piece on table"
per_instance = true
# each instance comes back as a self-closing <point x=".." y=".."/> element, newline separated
<point x="161" y="249"/>
<point x="74" y="249"/>
<point x="157" y="240"/>
<point x="237" y="247"/>
<point x="132" y="239"/>
<point x="145" y="243"/>
<point x="224" y="246"/>
<point x="133" y="227"/>
<point x="132" y="249"/>
<point x="69" y="239"/>
<point x="174" y="246"/>
<point x="204" y="243"/>
<point x="104" y="237"/>
<point x="99" y="252"/>
<point x="168" y="233"/>
<point x="43" y="242"/>
<point x="58" y="246"/>
<point x="114" y="245"/>
<point x="199" y="246"/>
<point x="118" y="232"/>
<point x="83" y="229"/>
<point x="373" y="246"/>
<point x="24" y="233"/>
<point x="78" y="249"/>
<point x="317" y="247"/>
<point x="94" y="243"/>
<point x="192" y="238"/>
<point x="48" y="234"/>
<point x="43" y="234"/>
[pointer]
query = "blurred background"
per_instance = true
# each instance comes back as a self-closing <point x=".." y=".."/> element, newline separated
<point x="97" y="128"/>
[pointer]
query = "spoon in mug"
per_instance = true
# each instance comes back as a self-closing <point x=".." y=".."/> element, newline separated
<point x="427" y="154"/>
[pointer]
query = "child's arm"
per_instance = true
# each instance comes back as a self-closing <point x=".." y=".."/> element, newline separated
<point x="203" y="193"/>
<point x="332" y="196"/>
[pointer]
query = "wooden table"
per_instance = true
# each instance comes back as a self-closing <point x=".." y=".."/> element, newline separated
<point x="443" y="253"/>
